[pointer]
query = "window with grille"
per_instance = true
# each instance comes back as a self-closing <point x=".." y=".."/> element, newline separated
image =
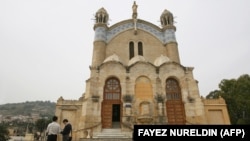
<point x="112" y="89"/>
<point x="172" y="89"/>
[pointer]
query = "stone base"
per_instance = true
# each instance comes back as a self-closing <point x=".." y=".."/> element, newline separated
<point x="29" y="137"/>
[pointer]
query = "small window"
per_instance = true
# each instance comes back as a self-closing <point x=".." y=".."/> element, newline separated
<point x="131" y="50"/>
<point x="140" y="49"/>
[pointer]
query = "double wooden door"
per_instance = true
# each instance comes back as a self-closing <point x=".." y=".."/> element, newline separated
<point x="175" y="112"/>
<point x="111" y="113"/>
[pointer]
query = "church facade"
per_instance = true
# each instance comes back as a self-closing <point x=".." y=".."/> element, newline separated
<point x="137" y="78"/>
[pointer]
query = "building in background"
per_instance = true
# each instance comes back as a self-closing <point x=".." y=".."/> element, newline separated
<point x="137" y="78"/>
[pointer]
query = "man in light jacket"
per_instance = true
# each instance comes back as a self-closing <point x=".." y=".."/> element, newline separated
<point x="53" y="129"/>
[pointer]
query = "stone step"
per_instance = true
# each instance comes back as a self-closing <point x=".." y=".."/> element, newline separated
<point x="111" y="136"/>
<point x="113" y="130"/>
<point x="111" y="133"/>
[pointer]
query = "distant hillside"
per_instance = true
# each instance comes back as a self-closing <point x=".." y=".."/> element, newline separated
<point x="44" y="108"/>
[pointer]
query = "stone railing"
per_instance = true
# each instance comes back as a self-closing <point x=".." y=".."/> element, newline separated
<point x="88" y="131"/>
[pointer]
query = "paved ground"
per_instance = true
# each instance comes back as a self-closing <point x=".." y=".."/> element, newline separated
<point x="17" y="138"/>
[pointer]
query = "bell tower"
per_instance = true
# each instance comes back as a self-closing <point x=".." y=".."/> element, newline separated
<point x="167" y="23"/>
<point x="100" y="28"/>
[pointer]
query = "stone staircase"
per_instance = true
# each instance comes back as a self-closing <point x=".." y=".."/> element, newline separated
<point x="112" y="133"/>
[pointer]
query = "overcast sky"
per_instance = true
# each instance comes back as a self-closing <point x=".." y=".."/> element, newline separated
<point x="46" y="45"/>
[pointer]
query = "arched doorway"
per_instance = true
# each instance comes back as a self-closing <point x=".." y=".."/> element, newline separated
<point x="111" y="105"/>
<point x="174" y="105"/>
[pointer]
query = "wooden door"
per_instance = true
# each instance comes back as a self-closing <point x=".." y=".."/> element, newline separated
<point x="111" y="112"/>
<point x="175" y="112"/>
<point x="106" y="115"/>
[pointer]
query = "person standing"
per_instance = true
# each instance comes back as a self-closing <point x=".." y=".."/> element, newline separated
<point x="66" y="130"/>
<point x="53" y="129"/>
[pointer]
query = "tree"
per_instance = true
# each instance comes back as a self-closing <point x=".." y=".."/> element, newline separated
<point x="236" y="93"/>
<point x="213" y="95"/>
<point x="41" y="124"/>
<point x="4" y="133"/>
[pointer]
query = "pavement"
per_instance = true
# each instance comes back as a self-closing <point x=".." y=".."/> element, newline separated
<point x="16" y="138"/>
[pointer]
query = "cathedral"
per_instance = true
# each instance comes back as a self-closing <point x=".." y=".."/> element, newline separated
<point x="136" y="77"/>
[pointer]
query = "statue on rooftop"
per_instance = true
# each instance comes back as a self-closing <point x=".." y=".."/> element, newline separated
<point x="134" y="16"/>
<point x="134" y="8"/>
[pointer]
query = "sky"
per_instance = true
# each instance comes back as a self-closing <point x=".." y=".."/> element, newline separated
<point x="46" y="46"/>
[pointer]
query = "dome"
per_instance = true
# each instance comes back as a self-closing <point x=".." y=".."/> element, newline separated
<point x="102" y="10"/>
<point x="161" y="60"/>
<point x="113" y="57"/>
<point x="166" y="12"/>
<point x="101" y="16"/>
<point x="166" y="18"/>
<point x="136" y="59"/>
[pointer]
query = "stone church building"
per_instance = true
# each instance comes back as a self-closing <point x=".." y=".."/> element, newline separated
<point x="136" y="77"/>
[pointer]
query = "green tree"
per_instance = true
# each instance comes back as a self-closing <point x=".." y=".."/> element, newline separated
<point x="4" y="133"/>
<point x="236" y="93"/>
<point x="41" y="124"/>
<point x="213" y="95"/>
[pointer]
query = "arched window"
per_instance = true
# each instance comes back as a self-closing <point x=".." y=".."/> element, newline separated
<point x="172" y="89"/>
<point x="140" y="49"/>
<point x="112" y="89"/>
<point x="131" y="50"/>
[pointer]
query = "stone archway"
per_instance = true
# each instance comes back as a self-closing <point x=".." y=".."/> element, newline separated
<point x="174" y="105"/>
<point x="111" y="105"/>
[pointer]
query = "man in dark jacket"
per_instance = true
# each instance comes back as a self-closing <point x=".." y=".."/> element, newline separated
<point x="66" y="130"/>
